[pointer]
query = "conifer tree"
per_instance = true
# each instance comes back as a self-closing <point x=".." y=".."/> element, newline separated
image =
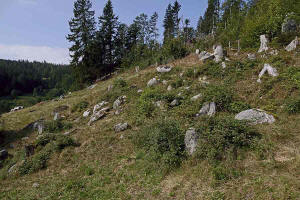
<point x="169" y="24"/>
<point x="152" y="28"/>
<point x="82" y="28"/>
<point x="108" y="27"/>
<point x="176" y="20"/>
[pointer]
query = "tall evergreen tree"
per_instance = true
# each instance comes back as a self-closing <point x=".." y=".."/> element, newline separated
<point x="176" y="20"/>
<point x="108" y="28"/>
<point x="82" y="28"/>
<point x="152" y="30"/>
<point x="169" y="24"/>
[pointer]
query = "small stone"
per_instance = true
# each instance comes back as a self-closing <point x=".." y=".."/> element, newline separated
<point x="195" y="98"/>
<point x="137" y="69"/>
<point x="293" y="45"/>
<point x="208" y="109"/>
<point x="109" y="88"/>
<point x="35" y="185"/>
<point x="164" y="82"/>
<point x="169" y="88"/>
<point x="139" y="91"/>
<point x="152" y="82"/>
<point x="223" y="65"/>
<point x="197" y="51"/>
<point x="121" y="127"/>
<point x="175" y="102"/>
<point x="267" y="68"/>
<point x="251" y="56"/>
<point x="92" y="86"/>
<point x="86" y="113"/>
<point x="118" y="102"/>
<point x="56" y="116"/>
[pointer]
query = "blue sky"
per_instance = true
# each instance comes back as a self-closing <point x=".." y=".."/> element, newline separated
<point x="36" y="29"/>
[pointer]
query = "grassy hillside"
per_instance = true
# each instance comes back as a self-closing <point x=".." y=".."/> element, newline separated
<point x="94" y="162"/>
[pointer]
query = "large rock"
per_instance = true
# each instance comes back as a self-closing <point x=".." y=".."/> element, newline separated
<point x="267" y="68"/>
<point x="163" y="69"/>
<point x="293" y="45"/>
<point x="98" y="115"/>
<point x="3" y="154"/>
<point x="121" y="127"/>
<point x="263" y="44"/>
<point x="120" y="100"/>
<point x="191" y="140"/>
<point x="218" y="53"/>
<point x="289" y="25"/>
<point x="208" y="109"/>
<point x="39" y="126"/>
<point x="255" y="116"/>
<point x="203" y="56"/>
<point x="152" y="82"/>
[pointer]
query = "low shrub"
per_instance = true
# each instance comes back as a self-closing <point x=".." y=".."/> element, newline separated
<point x="293" y="105"/>
<point x="56" y="126"/>
<point x="80" y="106"/>
<point x="120" y="83"/>
<point x="177" y="83"/>
<point x="221" y="136"/>
<point x="238" y="106"/>
<point x="164" y="140"/>
<point x="220" y="94"/>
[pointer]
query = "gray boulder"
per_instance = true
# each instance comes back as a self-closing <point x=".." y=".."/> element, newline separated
<point x="99" y="106"/>
<point x="208" y="109"/>
<point x="109" y="88"/>
<point x="17" y="108"/>
<point x="56" y="116"/>
<point x="197" y="51"/>
<point x="3" y="154"/>
<point x="152" y="82"/>
<point x="269" y="69"/>
<point x="121" y="127"/>
<point x="39" y="126"/>
<point x="263" y="44"/>
<point x="86" y="113"/>
<point x="223" y="65"/>
<point x="164" y="69"/>
<point x="218" y="53"/>
<point x="191" y="141"/>
<point x="255" y="116"/>
<point x="137" y="69"/>
<point x="118" y="102"/>
<point x="293" y="45"/>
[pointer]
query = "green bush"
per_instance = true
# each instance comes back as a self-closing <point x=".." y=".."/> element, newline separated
<point x="120" y="83"/>
<point x="164" y="140"/>
<point x="293" y="105"/>
<point x="177" y="83"/>
<point x="220" y="94"/>
<point x="80" y="106"/>
<point x="221" y="136"/>
<point x="175" y="48"/>
<point x="238" y="106"/>
<point x="56" y="126"/>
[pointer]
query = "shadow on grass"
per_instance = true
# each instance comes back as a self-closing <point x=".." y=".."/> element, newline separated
<point x="8" y="137"/>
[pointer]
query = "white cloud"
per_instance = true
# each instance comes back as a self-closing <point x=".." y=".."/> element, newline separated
<point x="35" y="53"/>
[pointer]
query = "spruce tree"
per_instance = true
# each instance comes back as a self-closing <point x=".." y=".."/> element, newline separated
<point x="152" y="28"/>
<point x="82" y="28"/>
<point x="169" y="24"/>
<point x="176" y="20"/>
<point x="108" y="28"/>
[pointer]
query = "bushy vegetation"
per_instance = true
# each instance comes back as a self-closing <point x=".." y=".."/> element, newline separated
<point x="164" y="141"/>
<point x="79" y="107"/>
<point x="293" y="105"/>
<point x="45" y="145"/>
<point x="56" y="126"/>
<point x="223" y="136"/>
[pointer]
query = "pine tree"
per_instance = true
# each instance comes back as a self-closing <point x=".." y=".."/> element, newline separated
<point x="82" y="28"/>
<point x="120" y="43"/>
<point x="169" y="25"/>
<point x="200" y="28"/>
<point x="108" y="28"/>
<point x="152" y="30"/>
<point x="141" y="22"/>
<point x="176" y="20"/>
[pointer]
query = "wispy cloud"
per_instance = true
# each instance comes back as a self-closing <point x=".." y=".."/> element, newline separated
<point x="35" y="53"/>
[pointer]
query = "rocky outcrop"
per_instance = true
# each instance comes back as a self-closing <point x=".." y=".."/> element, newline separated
<point x="293" y="45"/>
<point x="118" y="102"/>
<point x="255" y="116"/>
<point x="98" y="106"/>
<point x="121" y="127"/>
<point x="152" y="82"/>
<point x="164" y="69"/>
<point x="191" y="140"/>
<point x="39" y="126"/>
<point x="263" y="44"/>
<point x="269" y="69"/>
<point x="208" y="109"/>
<point x="98" y="115"/>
